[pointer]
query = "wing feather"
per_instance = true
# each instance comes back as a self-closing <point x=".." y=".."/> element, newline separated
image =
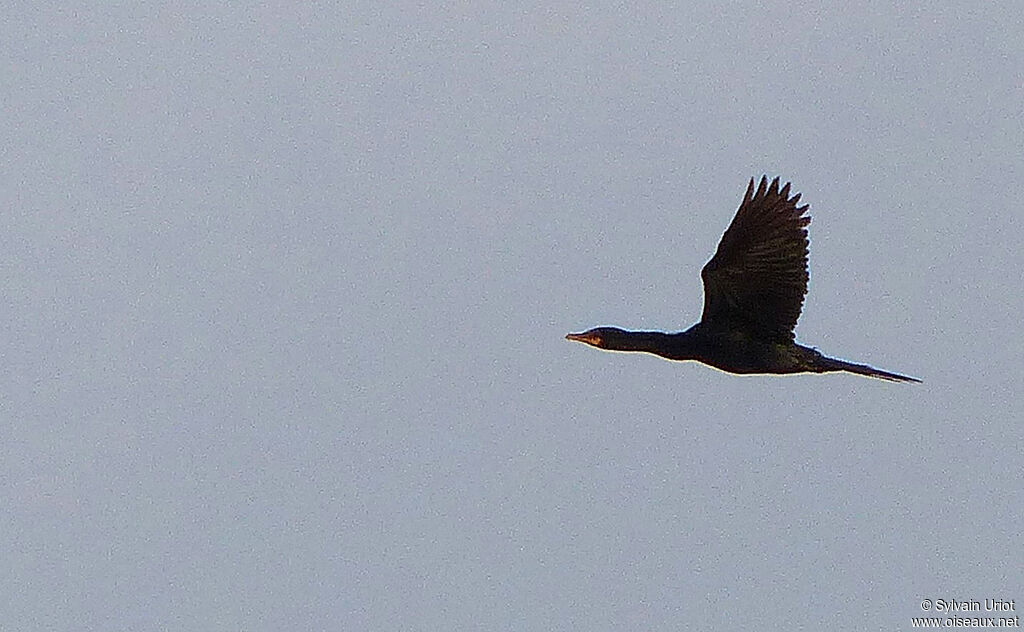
<point x="757" y="279"/>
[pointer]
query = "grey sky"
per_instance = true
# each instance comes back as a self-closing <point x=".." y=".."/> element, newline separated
<point x="286" y="288"/>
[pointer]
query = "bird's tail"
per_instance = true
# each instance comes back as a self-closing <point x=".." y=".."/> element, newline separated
<point x="826" y="364"/>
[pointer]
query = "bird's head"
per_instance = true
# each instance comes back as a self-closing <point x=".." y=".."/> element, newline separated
<point x="601" y="337"/>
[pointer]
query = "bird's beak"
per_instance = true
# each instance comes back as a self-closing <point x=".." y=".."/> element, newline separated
<point x="576" y="337"/>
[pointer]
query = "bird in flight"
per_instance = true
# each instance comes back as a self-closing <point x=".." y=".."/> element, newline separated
<point x="754" y="290"/>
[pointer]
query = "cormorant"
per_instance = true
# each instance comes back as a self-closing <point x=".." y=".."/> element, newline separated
<point x="754" y="289"/>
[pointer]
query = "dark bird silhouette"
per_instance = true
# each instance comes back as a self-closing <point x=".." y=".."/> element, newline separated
<point x="754" y="290"/>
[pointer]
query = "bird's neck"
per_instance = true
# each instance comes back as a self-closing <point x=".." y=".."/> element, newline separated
<point x="672" y="346"/>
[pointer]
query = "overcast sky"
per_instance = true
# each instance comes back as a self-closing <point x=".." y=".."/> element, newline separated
<point x="285" y="291"/>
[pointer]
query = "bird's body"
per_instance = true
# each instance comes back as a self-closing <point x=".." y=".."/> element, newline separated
<point x="754" y="288"/>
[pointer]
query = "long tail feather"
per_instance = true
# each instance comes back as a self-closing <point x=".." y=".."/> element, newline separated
<point x="833" y="364"/>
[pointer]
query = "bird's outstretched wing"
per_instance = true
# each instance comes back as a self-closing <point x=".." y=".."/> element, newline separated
<point x="757" y="279"/>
